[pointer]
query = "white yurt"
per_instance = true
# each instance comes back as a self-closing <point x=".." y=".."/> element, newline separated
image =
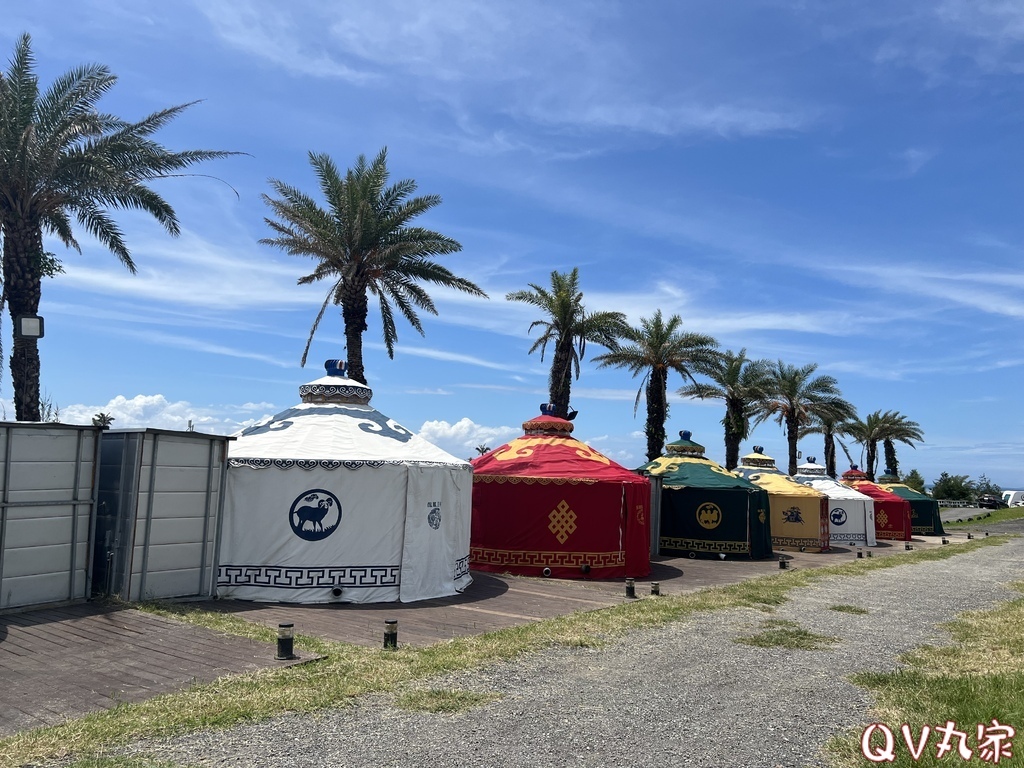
<point x="332" y="501"/>
<point x="851" y="514"/>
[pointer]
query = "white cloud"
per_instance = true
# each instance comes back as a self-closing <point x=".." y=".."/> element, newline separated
<point x="914" y="159"/>
<point x="462" y="437"/>
<point x="268" y="31"/>
<point x="194" y="272"/>
<point x="157" y="412"/>
<point x="555" y="66"/>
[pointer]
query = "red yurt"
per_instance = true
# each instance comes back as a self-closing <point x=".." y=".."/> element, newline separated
<point x="892" y="514"/>
<point x="546" y="504"/>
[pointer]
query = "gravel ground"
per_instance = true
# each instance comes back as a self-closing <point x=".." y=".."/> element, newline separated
<point x="686" y="694"/>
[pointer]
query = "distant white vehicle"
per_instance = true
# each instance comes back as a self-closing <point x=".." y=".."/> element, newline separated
<point x="1014" y="498"/>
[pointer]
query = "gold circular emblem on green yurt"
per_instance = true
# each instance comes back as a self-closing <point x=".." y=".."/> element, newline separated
<point x="709" y="515"/>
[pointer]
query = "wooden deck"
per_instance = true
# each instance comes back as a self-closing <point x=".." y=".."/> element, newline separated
<point x="65" y="662"/>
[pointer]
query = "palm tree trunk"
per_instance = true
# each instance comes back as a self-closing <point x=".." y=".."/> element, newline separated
<point x="560" y="383"/>
<point x="872" y="453"/>
<point x="657" y="412"/>
<point x="830" y="455"/>
<point x="23" y="250"/>
<point x="891" y="462"/>
<point x="733" y="437"/>
<point x="354" y="311"/>
<point x="792" y="435"/>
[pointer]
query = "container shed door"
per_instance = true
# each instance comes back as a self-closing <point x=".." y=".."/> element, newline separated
<point x="116" y="503"/>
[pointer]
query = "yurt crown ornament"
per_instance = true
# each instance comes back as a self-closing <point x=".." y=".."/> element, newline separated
<point x="547" y="423"/>
<point x="336" y="387"/>
<point x="684" y="446"/>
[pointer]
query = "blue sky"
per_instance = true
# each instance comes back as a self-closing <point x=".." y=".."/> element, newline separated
<point x="819" y="182"/>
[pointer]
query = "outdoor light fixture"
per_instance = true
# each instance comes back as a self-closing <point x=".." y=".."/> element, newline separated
<point x="28" y="327"/>
<point x="285" y="642"/>
<point x="630" y="588"/>
<point x="655" y="588"/>
<point x="860" y="553"/>
<point x="945" y="540"/>
<point x="869" y="553"/>
<point x="970" y="535"/>
<point x="783" y="563"/>
<point x="908" y="546"/>
<point x="390" y="634"/>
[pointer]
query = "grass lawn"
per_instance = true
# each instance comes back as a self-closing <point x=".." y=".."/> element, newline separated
<point x="995" y="516"/>
<point x="980" y="677"/>
<point x="347" y="671"/>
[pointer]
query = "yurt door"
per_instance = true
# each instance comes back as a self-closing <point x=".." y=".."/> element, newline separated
<point x="115" y="511"/>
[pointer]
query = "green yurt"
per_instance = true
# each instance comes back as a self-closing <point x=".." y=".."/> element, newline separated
<point x="924" y="510"/>
<point x="706" y="508"/>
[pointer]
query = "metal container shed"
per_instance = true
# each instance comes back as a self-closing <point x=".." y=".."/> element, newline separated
<point x="46" y="501"/>
<point x="160" y="497"/>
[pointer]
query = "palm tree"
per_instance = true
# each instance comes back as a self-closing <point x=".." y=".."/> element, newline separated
<point x="899" y="429"/>
<point x="482" y="449"/>
<point x="796" y="397"/>
<point x="887" y="428"/>
<point x="655" y="348"/>
<point x="363" y="243"/>
<point x="831" y="425"/>
<point x="60" y="159"/>
<point x="568" y="327"/>
<point x="102" y="420"/>
<point x="867" y="432"/>
<point x="739" y="382"/>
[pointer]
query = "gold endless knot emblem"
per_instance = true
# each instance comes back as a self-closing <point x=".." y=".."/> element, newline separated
<point x="563" y="521"/>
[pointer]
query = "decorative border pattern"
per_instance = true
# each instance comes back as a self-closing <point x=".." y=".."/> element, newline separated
<point x="461" y="567"/>
<point x="309" y="464"/>
<point x="894" y="535"/>
<point x="849" y="537"/>
<point x="793" y="541"/>
<point x="927" y="530"/>
<point x="514" y="480"/>
<point x="298" y="577"/>
<point x="514" y="557"/>
<point x="532" y="428"/>
<point x="362" y="394"/>
<point x="704" y="545"/>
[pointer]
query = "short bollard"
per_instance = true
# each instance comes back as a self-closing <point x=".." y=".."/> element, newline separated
<point x="285" y="642"/>
<point x="390" y="634"/>
<point x="655" y="588"/>
<point x="630" y="588"/>
<point x="783" y="564"/>
<point x="945" y="540"/>
<point x="860" y="554"/>
<point x="869" y="553"/>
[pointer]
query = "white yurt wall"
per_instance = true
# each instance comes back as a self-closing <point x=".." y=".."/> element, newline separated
<point x="332" y="501"/>
<point x="46" y="500"/>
